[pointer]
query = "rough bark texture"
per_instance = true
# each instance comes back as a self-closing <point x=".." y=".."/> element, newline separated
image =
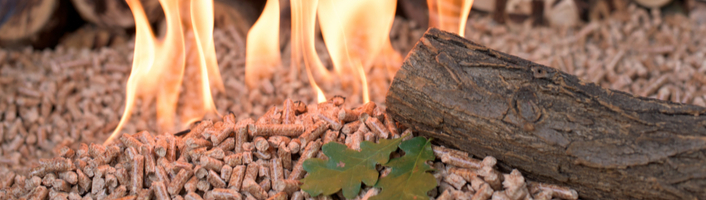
<point x="552" y="126"/>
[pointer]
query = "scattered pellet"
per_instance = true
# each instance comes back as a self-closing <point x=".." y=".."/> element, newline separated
<point x="160" y="191"/>
<point x="225" y="194"/>
<point x="291" y="130"/>
<point x="178" y="181"/>
<point x="309" y="152"/>
<point x="236" y="178"/>
<point x="250" y="186"/>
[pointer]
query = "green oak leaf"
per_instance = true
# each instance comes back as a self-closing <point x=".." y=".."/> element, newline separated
<point x="346" y="168"/>
<point x="409" y="178"/>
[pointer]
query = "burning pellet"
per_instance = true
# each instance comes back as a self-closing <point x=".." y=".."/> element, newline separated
<point x="40" y="192"/>
<point x="351" y="127"/>
<point x="288" y="112"/>
<point x="227" y="144"/>
<point x="215" y="179"/>
<point x="236" y="178"/>
<point x="335" y="124"/>
<point x="190" y="186"/>
<point x="160" y="191"/>
<point x="225" y="194"/>
<point x="178" y="181"/>
<point x="226" y="170"/>
<point x="554" y="190"/>
<point x="314" y="132"/>
<point x="137" y="171"/>
<point x="294" y="146"/>
<point x="377" y="127"/>
<point x="299" y="107"/>
<point x="69" y="177"/>
<point x="211" y="163"/>
<point x="288" y="186"/>
<point x="130" y="141"/>
<point x="250" y="186"/>
<point x="192" y="196"/>
<point x="291" y="130"/>
<point x="309" y="152"/>
<point x="216" y="153"/>
<point x="197" y="143"/>
<point x="484" y="192"/>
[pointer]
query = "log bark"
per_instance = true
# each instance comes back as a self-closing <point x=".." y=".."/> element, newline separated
<point x="552" y="126"/>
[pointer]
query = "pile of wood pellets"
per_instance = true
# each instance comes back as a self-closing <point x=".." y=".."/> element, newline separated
<point x="250" y="159"/>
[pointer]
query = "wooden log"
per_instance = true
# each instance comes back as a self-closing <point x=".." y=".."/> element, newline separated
<point x="550" y="125"/>
<point x="115" y="13"/>
<point x="32" y="22"/>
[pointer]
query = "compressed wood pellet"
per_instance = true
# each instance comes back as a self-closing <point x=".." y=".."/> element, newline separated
<point x="484" y="192"/>
<point x="225" y="194"/>
<point x="227" y="144"/>
<point x="288" y="186"/>
<point x="460" y="161"/>
<point x="277" y="169"/>
<point x="241" y="134"/>
<point x="334" y="123"/>
<point x="351" y="127"/>
<point x="236" y="178"/>
<point x="288" y="112"/>
<point x="178" y="181"/>
<point x="391" y="126"/>
<point x="190" y="186"/>
<point x="98" y="185"/>
<point x="138" y="166"/>
<point x="348" y="115"/>
<point x="377" y="127"/>
<point x="553" y="191"/>
<point x="309" y="152"/>
<point x="261" y="144"/>
<point x="211" y="163"/>
<point x="203" y="185"/>
<point x="130" y="141"/>
<point x="216" y="153"/>
<point x="266" y="184"/>
<point x="215" y="179"/>
<point x="111" y="181"/>
<point x="294" y="145"/>
<point x="297" y="196"/>
<point x="250" y="186"/>
<point x="161" y="146"/>
<point x="251" y="171"/>
<point x="192" y="196"/>
<point x="69" y="176"/>
<point x="160" y="191"/>
<point x="222" y="133"/>
<point x="314" y="132"/>
<point x="455" y="180"/>
<point x="234" y="160"/>
<point x="291" y="130"/>
<point x="285" y="156"/>
<point x="226" y="171"/>
<point x="197" y="143"/>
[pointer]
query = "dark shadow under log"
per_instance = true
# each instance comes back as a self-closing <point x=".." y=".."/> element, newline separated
<point x="550" y="125"/>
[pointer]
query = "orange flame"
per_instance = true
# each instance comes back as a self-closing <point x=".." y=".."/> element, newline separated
<point x="449" y="15"/>
<point x="303" y="26"/>
<point x="158" y="65"/>
<point x="262" y="46"/>
<point x="356" y="32"/>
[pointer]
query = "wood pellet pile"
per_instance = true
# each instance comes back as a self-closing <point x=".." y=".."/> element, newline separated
<point x="250" y="159"/>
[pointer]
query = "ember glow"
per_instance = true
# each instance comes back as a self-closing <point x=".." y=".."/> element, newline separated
<point x="449" y="15"/>
<point x="158" y="65"/>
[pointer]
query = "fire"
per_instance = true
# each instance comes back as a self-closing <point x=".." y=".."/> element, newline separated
<point x="449" y="15"/>
<point x="262" y="46"/>
<point x="158" y="65"/>
<point x="356" y="32"/>
<point x="303" y="25"/>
